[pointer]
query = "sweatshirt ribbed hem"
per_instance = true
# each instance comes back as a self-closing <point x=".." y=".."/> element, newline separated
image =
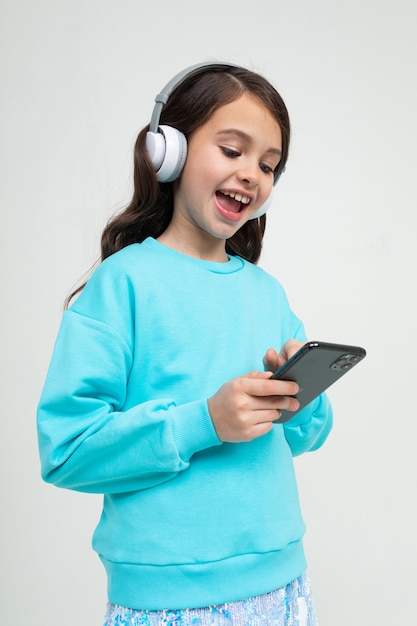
<point x="159" y="587"/>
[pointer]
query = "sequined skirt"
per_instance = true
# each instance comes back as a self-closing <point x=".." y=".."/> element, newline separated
<point x="291" y="605"/>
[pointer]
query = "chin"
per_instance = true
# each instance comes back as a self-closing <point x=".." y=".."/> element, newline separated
<point x="224" y="234"/>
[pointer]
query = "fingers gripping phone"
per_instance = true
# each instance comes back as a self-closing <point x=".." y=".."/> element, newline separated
<point x="315" y="367"/>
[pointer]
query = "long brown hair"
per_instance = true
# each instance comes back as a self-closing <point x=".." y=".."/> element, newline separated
<point x="189" y="106"/>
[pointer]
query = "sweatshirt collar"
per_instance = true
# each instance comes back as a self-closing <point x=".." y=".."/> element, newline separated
<point x="234" y="264"/>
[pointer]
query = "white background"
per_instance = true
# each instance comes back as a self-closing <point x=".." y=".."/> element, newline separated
<point x="78" y="78"/>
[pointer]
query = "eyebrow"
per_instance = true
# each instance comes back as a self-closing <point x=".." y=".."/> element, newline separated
<point x="242" y="135"/>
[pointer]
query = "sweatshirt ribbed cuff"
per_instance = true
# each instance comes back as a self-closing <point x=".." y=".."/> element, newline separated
<point x="193" y="429"/>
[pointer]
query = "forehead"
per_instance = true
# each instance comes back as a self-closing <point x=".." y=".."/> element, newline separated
<point x="250" y="116"/>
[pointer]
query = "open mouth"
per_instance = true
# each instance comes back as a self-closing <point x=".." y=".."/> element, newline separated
<point x="232" y="202"/>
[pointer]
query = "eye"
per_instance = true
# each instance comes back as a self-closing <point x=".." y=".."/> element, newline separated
<point x="267" y="169"/>
<point x="230" y="152"/>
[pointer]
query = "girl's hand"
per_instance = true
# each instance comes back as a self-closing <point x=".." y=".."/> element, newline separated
<point x="272" y="360"/>
<point x="246" y="407"/>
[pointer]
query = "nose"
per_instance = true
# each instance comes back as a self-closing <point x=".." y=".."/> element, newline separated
<point x="249" y="174"/>
<point x="250" y="182"/>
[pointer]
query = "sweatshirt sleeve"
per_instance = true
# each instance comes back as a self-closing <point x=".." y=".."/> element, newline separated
<point x="87" y="441"/>
<point x="308" y="430"/>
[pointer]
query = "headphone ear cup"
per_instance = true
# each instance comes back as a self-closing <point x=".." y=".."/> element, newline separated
<point x="265" y="206"/>
<point x="167" y="150"/>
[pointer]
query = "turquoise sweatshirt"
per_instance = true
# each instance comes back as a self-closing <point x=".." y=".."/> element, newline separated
<point x="188" y="521"/>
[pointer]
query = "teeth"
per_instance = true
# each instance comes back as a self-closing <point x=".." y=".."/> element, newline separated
<point x="237" y="196"/>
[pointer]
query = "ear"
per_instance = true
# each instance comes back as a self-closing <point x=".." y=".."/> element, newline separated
<point x="167" y="150"/>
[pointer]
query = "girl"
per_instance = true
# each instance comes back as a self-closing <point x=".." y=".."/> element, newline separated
<point x="156" y="395"/>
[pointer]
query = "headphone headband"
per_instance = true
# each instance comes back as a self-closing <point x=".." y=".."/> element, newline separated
<point x="162" y="98"/>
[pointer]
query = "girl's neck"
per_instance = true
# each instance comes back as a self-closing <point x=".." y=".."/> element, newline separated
<point x="197" y="245"/>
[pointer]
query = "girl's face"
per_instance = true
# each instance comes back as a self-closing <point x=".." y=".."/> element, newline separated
<point x="228" y="174"/>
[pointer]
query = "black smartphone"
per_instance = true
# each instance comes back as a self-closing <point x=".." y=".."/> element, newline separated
<point x="315" y="367"/>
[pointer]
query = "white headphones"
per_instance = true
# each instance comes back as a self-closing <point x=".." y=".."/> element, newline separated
<point x="167" y="146"/>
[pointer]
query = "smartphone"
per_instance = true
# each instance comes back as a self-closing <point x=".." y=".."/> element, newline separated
<point x="315" y="367"/>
